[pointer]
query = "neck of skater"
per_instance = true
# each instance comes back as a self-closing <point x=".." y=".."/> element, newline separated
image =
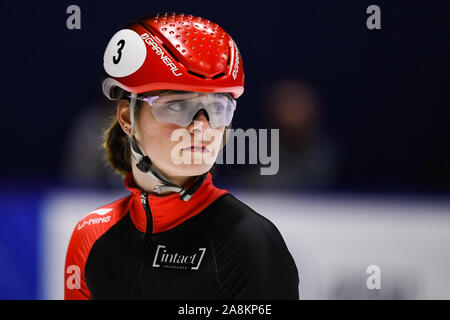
<point x="147" y="183"/>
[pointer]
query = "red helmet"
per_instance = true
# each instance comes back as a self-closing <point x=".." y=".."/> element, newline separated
<point x="172" y="51"/>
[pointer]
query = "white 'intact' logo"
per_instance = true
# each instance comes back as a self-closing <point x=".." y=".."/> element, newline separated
<point x="175" y="260"/>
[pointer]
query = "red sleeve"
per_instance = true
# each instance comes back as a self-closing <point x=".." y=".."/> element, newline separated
<point x="86" y="233"/>
<point x="75" y="287"/>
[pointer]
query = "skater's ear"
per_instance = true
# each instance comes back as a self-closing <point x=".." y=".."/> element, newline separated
<point x="124" y="115"/>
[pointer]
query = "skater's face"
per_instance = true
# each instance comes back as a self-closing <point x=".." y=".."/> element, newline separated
<point x="175" y="150"/>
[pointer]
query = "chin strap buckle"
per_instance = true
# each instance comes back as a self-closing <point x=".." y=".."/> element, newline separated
<point x="184" y="195"/>
<point x="144" y="164"/>
<point x="157" y="189"/>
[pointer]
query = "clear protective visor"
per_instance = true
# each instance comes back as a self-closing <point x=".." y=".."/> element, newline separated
<point x="180" y="108"/>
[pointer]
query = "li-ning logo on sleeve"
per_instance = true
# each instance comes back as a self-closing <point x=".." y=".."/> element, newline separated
<point x="175" y="260"/>
<point x="96" y="220"/>
<point x="160" y="52"/>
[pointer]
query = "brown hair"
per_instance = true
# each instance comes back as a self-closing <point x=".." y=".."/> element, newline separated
<point x="117" y="146"/>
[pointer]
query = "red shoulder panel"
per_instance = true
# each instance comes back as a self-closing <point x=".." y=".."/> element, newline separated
<point x="87" y="231"/>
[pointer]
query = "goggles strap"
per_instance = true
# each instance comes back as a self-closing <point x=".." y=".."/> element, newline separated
<point x="145" y="165"/>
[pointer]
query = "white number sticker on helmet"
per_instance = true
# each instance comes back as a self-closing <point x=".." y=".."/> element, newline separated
<point x="125" y="53"/>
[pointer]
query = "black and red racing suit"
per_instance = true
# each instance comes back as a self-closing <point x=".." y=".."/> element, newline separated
<point x="148" y="246"/>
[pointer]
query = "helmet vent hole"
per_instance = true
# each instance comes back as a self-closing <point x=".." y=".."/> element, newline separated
<point x="196" y="74"/>
<point x="229" y="57"/>
<point x="218" y="75"/>
<point x="147" y="29"/>
<point x="170" y="52"/>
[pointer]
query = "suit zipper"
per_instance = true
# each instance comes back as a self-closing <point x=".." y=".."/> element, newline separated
<point x="147" y="243"/>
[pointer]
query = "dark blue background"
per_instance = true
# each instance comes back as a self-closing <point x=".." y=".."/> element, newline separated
<point x="385" y="93"/>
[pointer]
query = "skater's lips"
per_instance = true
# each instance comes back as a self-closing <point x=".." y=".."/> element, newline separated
<point x="197" y="148"/>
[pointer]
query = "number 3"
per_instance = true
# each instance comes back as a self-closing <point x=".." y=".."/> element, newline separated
<point x="121" y="44"/>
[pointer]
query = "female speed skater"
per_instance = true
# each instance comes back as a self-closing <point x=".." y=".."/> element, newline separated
<point x="176" y="235"/>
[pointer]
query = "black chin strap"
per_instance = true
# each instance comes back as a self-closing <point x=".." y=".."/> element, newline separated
<point x="145" y="165"/>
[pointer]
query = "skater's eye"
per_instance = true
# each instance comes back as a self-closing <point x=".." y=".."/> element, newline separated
<point x="218" y="108"/>
<point x="176" y="106"/>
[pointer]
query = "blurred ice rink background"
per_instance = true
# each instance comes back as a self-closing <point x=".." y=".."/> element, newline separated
<point x="332" y="239"/>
